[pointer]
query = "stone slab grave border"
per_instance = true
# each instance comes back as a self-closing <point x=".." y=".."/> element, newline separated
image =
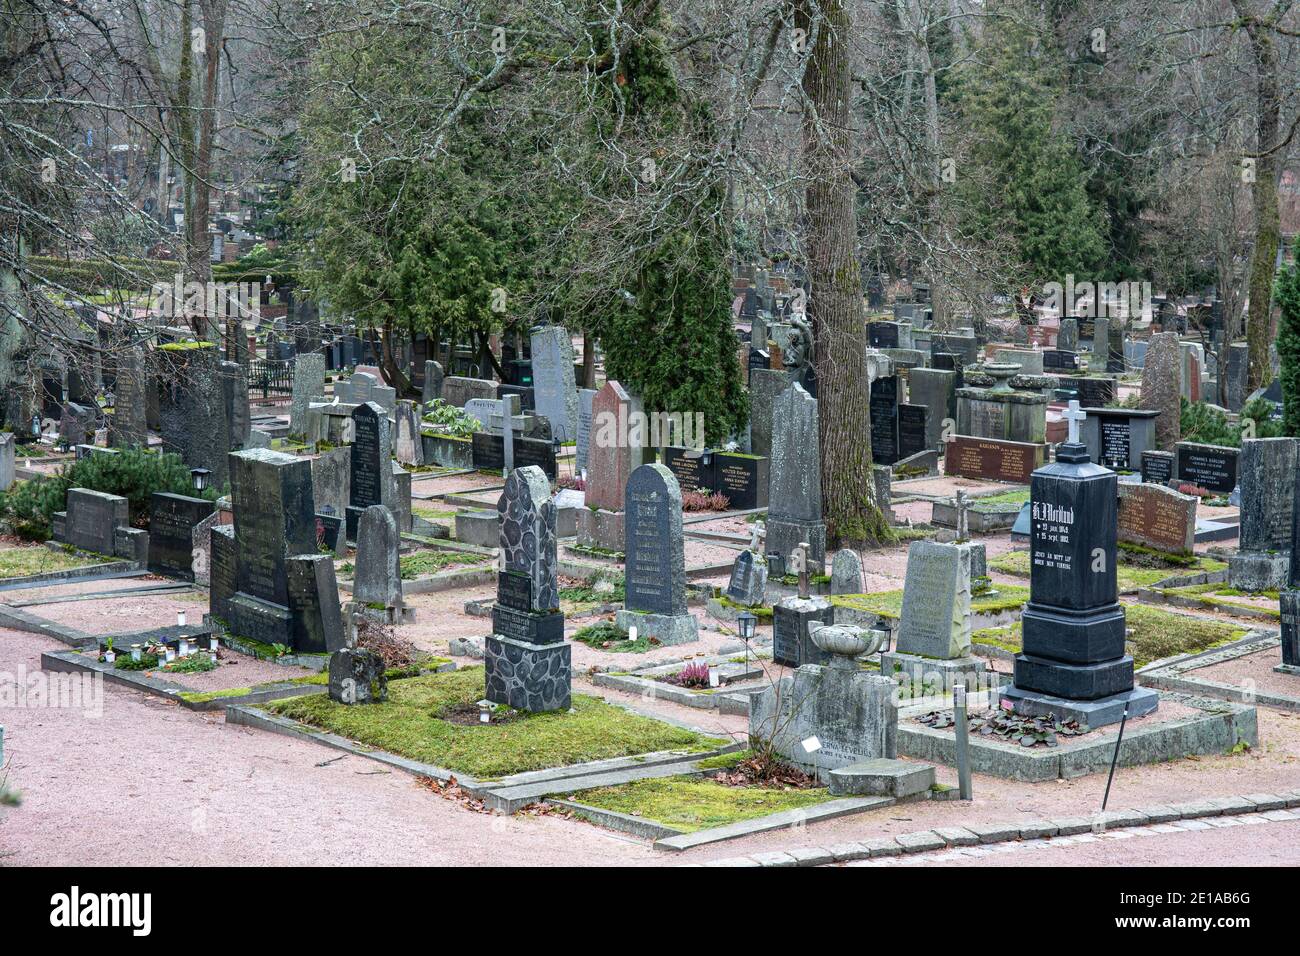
<point x="1275" y="807"/>
<point x="91" y="572"/>
<point x="175" y="587"/>
<point x="1176" y="674"/>
<point x="726" y="699"/>
<point x="70" y="662"/>
<point x="1163" y="594"/>
<point x="1220" y="727"/>
<point x="512" y="793"/>
<point x="943" y="513"/>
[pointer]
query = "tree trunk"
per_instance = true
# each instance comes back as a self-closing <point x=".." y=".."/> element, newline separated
<point x="835" y="299"/>
<point x="588" y="360"/>
<point x="1259" y="325"/>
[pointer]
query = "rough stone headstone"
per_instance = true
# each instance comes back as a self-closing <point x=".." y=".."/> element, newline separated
<point x="585" y="398"/>
<point x="1238" y="375"/>
<point x="655" y="563"/>
<point x="1161" y="388"/>
<point x="527" y="661"/>
<point x="617" y="449"/>
<point x="555" y="390"/>
<point x="1067" y="338"/>
<point x="433" y="378"/>
<point x="308" y="384"/>
<point x="457" y="389"/>
<point x="1267" y="467"/>
<point x="129" y="402"/>
<point x="408" y="448"/>
<point x="91" y="519"/>
<point x="846" y="572"/>
<point x="377" y="581"/>
<point x="357" y="676"/>
<point x="764" y="387"/>
<point x="795" y="498"/>
<point x="8" y="451"/>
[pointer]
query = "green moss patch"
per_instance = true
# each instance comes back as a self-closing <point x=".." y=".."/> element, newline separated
<point x="420" y="563"/>
<point x="1131" y="575"/>
<point x="1221" y="597"/>
<point x="320" y="679"/>
<point x="1156" y="634"/>
<point x="693" y="803"/>
<point x="1005" y="501"/>
<point x="889" y="604"/>
<point x="601" y="633"/>
<point x="21" y="562"/>
<point x="411" y="724"/>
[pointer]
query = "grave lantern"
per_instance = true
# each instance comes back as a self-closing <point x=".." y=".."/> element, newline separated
<point x="180" y="618"/>
<point x="36" y="426"/>
<point x="200" y="478"/>
<point x="746" y="622"/>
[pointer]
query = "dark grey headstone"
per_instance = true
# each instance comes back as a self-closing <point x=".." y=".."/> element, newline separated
<point x="654" y="546"/>
<point x="377" y="580"/>
<point x="172" y="519"/>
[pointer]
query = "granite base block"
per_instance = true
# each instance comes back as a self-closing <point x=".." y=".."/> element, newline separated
<point x="1094" y="713"/>
<point x="1080" y="682"/>
<point x="665" y="628"/>
<point x="1259" y="570"/>
<point x="945" y="674"/>
<point x="882" y="777"/>
<point x="598" y="528"/>
<point x="531" y="677"/>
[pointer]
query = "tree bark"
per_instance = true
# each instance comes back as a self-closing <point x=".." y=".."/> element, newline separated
<point x="835" y="301"/>
<point x="1268" y="109"/>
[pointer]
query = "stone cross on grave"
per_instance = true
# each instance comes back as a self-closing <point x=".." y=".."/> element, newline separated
<point x="799" y="565"/>
<point x="756" y="535"/>
<point x="1074" y="415"/>
<point x="962" y="504"/>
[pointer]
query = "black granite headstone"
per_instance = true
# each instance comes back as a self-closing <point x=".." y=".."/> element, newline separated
<point x="1157" y="467"/>
<point x="884" y="420"/>
<point x="171" y="532"/>
<point x="1212" y="467"/>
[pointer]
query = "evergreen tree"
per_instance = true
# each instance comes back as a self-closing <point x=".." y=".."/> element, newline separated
<point x="1287" y="293"/>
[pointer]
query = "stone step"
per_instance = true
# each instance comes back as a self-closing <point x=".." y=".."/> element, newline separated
<point x="881" y="777"/>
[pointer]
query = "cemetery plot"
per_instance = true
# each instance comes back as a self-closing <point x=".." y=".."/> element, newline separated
<point x="1154" y="634"/>
<point x="1221" y="597"/>
<point x="23" y="562"/>
<point x="435" y="719"/>
<point x="1245" y="670"/>
<point x="889" y="604"/>
<point x="1135" y="569"/>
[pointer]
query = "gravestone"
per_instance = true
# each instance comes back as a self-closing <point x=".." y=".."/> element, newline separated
<point x="933" y="645"/>
<point x="408" y="447"/>
<point x="377" y="581"/>
<point x="129" y="402"/>
<point x="883" y="409"/>
<point x="308" y="383"/>
<point x="826" y="716"/>
<point x="433" y="378"/>
<point x="234" y="393"/>
<point x="192" y="409"/>
<point x="743" y="479"/>
<point x="371" y="474"/>
<point x="1158" y="466"/>
<point x="1289" y="598"/>
<point x="912" y="425"/>
<point x="615" y="451"/>
<point x="1117" y="437"/>
<point x="201" y="549"/>
<point x="581" y="455"/>
<point x="331" y="480"/>
<point x="8" y="454"/>
<point x="172" y="520"/>
<point x="765" y="385"/>
<point x="357" y="676"/>
<point x="992" y="460"/>
<point x="936" y="389"/>
<point x="77" y="424"/>
<point x="457" y="389"/>
<point x="846" y="572"/>
<point x="1156" y="516"/>
<point x="748" y="583"/>
<point x="795" y="496"/>
<point x="365" y="387"/>
<point x="1060" y="360"/>
<point x="555" y="390"/>
<point x="655" y="563"/>
<point x="1211" y="467"/>
<point x="1268" y="469"/>
<point x="283" y="588"/>
<point x="1073" y="662"/>
<point x="1161" y="390"/>
<point x="527" y="662"/>
<point x="1067" y="338"/>
<point x="91" y="519"/>
<point x="1238" y="375"/>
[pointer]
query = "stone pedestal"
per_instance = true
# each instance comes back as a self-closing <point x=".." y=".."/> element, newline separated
<point x="525" y="676"/>
<point x="1259" y="570"/>
<point x="665" y="628"/>
<point x="932" y="675"/>
<point x="598" y="528"/>
<point x="791" y="643"/>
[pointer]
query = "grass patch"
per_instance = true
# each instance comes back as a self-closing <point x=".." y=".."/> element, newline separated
<point x="1005" y="501"/>
<point x="609" y="590"/>
<point x="761" y="612"/>
<point x="597" y="635"/>
<point x="21" y="562"/>
<point x="432" y="514"/>
<point x="1155" y="634"/>
<point x="1130" y="575"/>
<point x="420" y="563"/>
<point x="410" y="723"/>
<point x="889" y="604"/>
<point x="1220" y="598"/>
<point x="690" y="803"/>
<point x="321" y="679"/>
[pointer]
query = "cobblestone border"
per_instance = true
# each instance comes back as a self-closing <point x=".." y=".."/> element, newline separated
<point x="1274" y="806"/>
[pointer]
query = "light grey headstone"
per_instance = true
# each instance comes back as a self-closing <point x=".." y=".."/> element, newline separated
<point x="748" y="579"/>
<point x="308" y="383"/>
<point x="555" y="389"/>
<point x="7" y="455"/>
<point x="408" y="448"/>
<point x="935" y="621"/>
<point x="432" y="382"/>
<point x="378" y="580"/>
<point x="846" y="572"/>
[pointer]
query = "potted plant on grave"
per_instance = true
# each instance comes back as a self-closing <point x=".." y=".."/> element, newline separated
<point x="109" y="657"/>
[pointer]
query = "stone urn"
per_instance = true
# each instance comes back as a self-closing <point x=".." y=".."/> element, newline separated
<point x="844" y="642"/>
